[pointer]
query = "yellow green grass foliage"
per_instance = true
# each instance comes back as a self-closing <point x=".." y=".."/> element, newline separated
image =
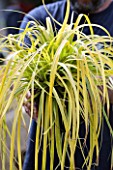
<point x="63" y="74"/>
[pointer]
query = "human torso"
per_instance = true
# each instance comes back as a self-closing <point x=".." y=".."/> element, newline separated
<point x="58" y="9"/>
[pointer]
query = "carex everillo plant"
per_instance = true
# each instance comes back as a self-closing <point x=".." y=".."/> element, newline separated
<point x="64" y="75"/>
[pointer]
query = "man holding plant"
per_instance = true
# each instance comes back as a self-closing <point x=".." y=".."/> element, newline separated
<point x="100" y="12"/>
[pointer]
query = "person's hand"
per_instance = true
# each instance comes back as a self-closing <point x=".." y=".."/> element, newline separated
<point x="27" y="106"/>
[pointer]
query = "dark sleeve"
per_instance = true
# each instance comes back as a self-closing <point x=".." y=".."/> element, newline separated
<point x="30" y="152"/>
<point x="39" y="15"/>
<point x="57" y="10"/>
<point x="13" y="19"/>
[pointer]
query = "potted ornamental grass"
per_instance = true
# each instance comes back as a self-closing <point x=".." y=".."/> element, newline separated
<point x="64" y="75"/>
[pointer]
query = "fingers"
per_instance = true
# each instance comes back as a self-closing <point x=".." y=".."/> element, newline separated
<point x="28" y="95"/>
<point x="27" y="106"/>
<point x="35" y="112"/>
